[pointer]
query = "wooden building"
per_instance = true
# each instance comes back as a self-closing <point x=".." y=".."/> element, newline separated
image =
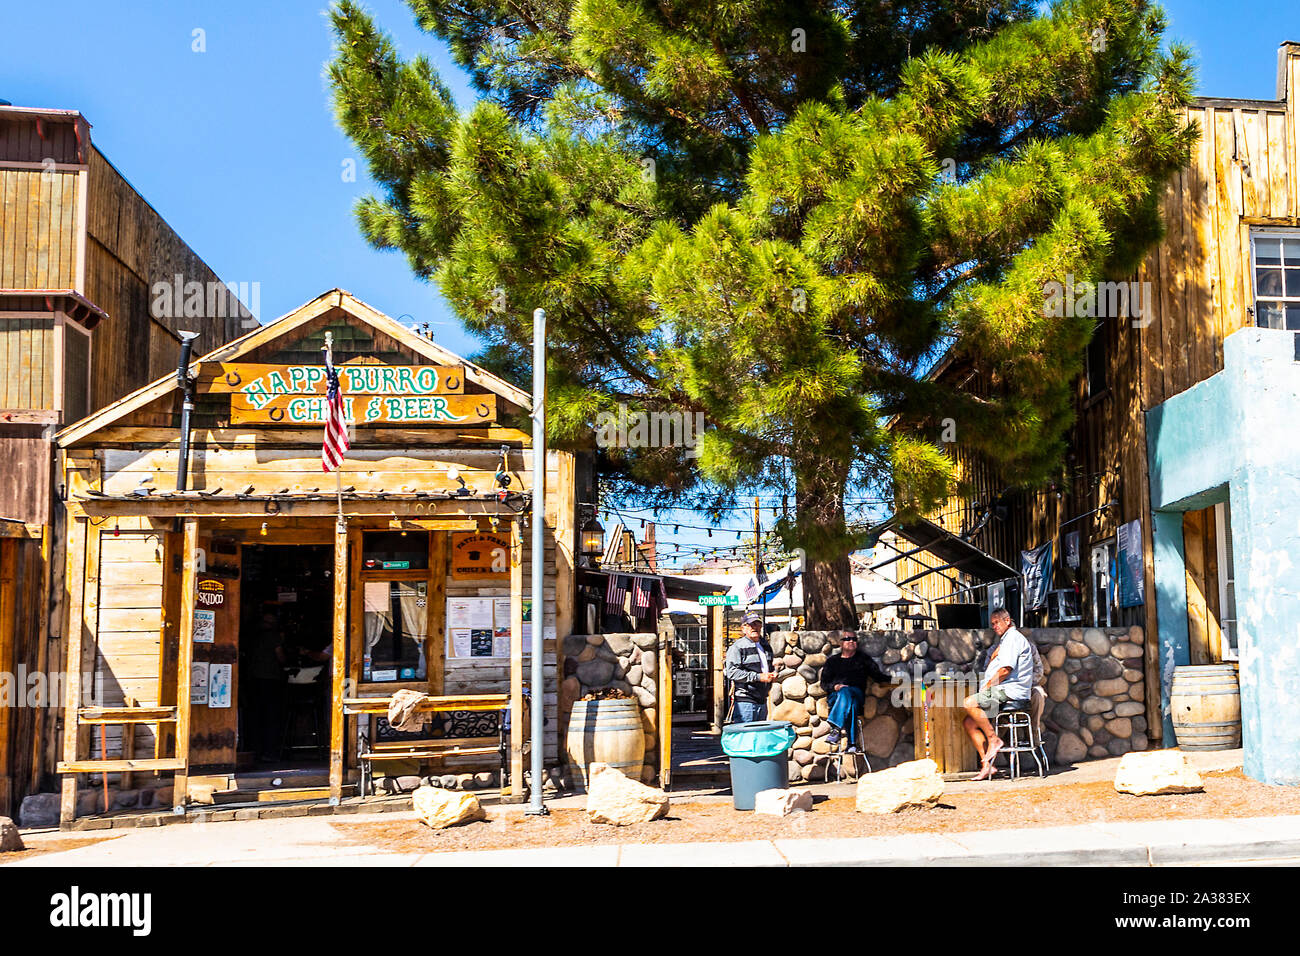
<point x="415" y="580"/>
<point x="80" y="326"/>
<point x="1209" y="277"/>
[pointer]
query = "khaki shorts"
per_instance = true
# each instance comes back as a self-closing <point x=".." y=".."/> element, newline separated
<point x="990" y="698"/>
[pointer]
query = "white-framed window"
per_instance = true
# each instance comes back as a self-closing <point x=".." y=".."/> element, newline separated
<point x="1227" y="583"/>
<point x="1275" y="259"/>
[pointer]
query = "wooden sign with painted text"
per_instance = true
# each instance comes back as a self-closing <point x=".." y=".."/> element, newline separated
<point x="261" y="383"/>
<point x="367" y="409"/>
<point x="373" y="394"/>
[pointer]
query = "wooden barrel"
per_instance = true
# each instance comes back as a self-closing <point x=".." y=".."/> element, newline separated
<point x="606" y="731"/>
<point x="1205" y="706"/>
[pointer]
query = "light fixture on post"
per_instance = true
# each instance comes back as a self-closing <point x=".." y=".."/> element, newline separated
<point x="592" y="546"/>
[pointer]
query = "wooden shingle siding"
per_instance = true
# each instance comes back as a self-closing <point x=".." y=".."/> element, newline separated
<point x="38" y="214"/>
<point x="27" y="362"/>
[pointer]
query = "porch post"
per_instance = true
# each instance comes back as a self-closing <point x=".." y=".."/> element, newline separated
<point x="338" y="660"/>
<point x="189" y="589"/>
<point x="717" y="638"/>
<point x="516" y="791"/>
<point x="74" y="584"/>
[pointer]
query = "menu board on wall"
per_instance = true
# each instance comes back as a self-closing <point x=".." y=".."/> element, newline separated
<point x="478" y="627"/>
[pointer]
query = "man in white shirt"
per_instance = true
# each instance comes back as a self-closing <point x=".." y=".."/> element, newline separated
<point x="1009" y="678"/>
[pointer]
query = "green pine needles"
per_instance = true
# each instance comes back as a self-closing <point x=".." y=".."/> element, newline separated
<point x="778" y="215"/>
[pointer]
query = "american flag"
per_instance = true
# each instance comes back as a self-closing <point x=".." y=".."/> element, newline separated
<point x="336" y="425"/>
<point x="616" y="591"/>
<point x="641" y="597"/>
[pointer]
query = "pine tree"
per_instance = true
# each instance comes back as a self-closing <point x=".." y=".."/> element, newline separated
<point x="779" y="214"/>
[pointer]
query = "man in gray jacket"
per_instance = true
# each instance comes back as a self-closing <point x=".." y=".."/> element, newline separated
<point x="751" y="671"/>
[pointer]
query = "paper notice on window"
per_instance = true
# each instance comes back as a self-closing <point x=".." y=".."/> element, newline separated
<point x="199" y="682"/>
<point x="460" y="641"/>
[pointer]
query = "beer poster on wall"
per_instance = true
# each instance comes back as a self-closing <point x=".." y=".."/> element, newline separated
<point x="205" y="626"/>
<point x="219" y="685"/>
<point x="199" y="682"/>
<point x="477" y="554"/>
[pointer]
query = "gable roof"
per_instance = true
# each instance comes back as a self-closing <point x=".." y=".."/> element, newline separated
<point x="267" y="334"/>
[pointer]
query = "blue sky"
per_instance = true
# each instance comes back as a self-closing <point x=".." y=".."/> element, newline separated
<point x="237" y="147"/>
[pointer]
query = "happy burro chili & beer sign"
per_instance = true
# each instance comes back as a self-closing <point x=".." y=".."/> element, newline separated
<point x="372" y="394"/>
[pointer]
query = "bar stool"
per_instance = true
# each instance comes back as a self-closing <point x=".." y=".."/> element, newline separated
<point x="837" y="756"/>
<point x="1015" y="726"/>
<point x="303" y="706"/>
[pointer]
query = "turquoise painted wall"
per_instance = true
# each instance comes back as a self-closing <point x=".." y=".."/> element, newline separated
<point x="1237" y="436"/>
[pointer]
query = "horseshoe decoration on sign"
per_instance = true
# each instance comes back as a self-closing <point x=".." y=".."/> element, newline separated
<point x="482" y="410"/>
<point x="237" y="379"/>
<point x="276" y="414"/>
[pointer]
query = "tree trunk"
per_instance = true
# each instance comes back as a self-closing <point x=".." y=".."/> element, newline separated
<point x="827" y="580"/>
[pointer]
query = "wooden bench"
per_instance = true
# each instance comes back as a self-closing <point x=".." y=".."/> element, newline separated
<point x="369" y="751"/>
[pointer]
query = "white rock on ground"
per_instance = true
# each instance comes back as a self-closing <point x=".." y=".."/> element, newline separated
<point x="915" y="784"/>
<point x="1157" y="772"/>
<point x="10" y="838"/>
<point x="440" y="808"/>
<point x="615" y="799"/>
<point x="781" y="803"/>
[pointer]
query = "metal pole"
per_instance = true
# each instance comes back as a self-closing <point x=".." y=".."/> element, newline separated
<point x="758" y="558"/>
<point x="537" y="696"/>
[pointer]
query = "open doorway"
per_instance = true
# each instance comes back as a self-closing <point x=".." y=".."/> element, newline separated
<point x="285" y="640"/>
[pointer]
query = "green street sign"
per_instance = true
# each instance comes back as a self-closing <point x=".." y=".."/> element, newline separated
<point x="719" y="600"/>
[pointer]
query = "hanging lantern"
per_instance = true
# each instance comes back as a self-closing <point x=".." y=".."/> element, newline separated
<point x="593" y="540"/>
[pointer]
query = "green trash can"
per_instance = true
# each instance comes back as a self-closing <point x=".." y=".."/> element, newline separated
<point x="758" y="758"/>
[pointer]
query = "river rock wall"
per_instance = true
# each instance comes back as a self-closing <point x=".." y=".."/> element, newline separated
<point x="624" y="662"/>
<point x="1093" y="679"/>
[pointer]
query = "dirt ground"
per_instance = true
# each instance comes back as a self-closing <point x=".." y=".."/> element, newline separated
<point x="40" y="846"/>
<point x="1227" y="794"/>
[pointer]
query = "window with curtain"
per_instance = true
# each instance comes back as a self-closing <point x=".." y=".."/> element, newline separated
<point x="396" y="628"/>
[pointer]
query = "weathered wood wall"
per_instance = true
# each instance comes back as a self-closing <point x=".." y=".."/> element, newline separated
<point x="129" y="248"/>
<point x="1200" y="289"/>
<point x="38" y="227"/>
<point x="22" y="703"/>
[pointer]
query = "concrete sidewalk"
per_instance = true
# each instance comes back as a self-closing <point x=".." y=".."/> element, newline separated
<point x="311" y="841"/>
